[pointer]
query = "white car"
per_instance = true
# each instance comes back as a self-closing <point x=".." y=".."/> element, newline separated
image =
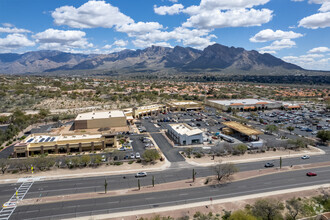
<point x="137" y="155"/>
<point x="141" y="174"/>
<point x="104" y="158"/>
<point x="132" y="156"/>
<point x="305" y="157"/>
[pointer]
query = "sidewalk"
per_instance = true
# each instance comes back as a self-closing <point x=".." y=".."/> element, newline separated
<point x="261" y="157"/>
<point x="87" y="172"/>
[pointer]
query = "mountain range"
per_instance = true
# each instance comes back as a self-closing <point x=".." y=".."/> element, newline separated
<point x="214" y="58"/>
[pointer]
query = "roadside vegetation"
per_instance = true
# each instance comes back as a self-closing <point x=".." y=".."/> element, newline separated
<point x="266" y="209"/>
<point x="45" y="162"/>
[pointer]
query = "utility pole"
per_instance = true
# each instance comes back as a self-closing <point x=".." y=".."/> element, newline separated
<point x="139" y="185"/>
<point x="153" y="181"/>
<point x="105" y="186"/>
<point x="280" y="162"/>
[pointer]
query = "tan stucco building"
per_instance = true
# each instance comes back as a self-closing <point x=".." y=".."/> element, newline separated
<point x="58" y="144"/>
<point x="185" y="106"/>
<point x="105" y="119"/>
<point x="148" y="110"/>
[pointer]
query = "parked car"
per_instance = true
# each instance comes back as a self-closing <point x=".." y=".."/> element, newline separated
<point x="311" y="174"/>
<point x="132" y="156"/>
<point x="137" y="155"/>
<point x="104" y="158"/>
<point x="305" y="157"/>
<point x="269" y="165"/>
<point x="141" y="174"/>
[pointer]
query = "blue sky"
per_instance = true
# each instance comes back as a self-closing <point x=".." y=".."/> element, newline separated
<point x="297" y="31"/>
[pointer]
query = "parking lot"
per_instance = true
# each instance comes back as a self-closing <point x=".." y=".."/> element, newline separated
<point x="306" y="123"/>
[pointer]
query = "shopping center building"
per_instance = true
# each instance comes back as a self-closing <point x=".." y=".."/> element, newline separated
<point x="63" y="144"/>
<point x="244" y="104"/>
<point x="185" y="106"/>
<point x="183" y="134"/>
<point x="104" y="119"/>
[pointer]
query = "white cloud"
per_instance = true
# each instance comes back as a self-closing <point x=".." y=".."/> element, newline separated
<point x="107" y="46"/>
<point x="230" y="4"/>
<point x="52" y="39"/>
<point x="270" y="35"/>
<point x="188" y="37"/>
<point x="319" y="20"/>
<point x="7" y="25"/>
<point x="309" y="62"/>
<point x="231" y="18"/>
<point x="142" y="43"/>
<point x="267" y="51"/>
<point x="319" y="50"/>
<point x="174" y="1"/>
<point x="120" y="43"/>
<point x="312" y="56"/>
<point x="139" y="28"/>
<point x="10" y="29"/>
<point x="15" y="41"/>
<point x="92" y="14"/>
<point x="325" y="7"/>
<point x="171" y="10"/>
<point x="279" y="45"/>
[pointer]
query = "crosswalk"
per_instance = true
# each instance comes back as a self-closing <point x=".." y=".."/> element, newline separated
<point x="10" y="206"/>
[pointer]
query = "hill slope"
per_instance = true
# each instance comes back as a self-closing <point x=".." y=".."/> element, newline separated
<point x="213" y="58"/>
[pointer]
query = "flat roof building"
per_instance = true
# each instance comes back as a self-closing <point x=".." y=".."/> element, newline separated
<point x="184" y="106"/>
<point x="104" y="119"/>
<point x="243" y="104"/>
<point x="148" y="110"/>
<point x="56" y="144"/>
<point x="183" y="134"/>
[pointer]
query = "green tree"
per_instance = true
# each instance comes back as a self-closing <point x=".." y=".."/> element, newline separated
<point x="271" y="128"/>
<point x="224" y="171"/>
<point x="240" y="149"/>
<point x="268" y="209"/>
<point x="151" y="155"/>
<point x="202" y="216"/>
<point x="43" y="163"/>
<point x="4" y="164"/>
<point x="298" y="143"/>
<point x="323" y="135"/>
<point x="295" y="207"/>
<point x="43" y="113"/>
<point x="290" y="129"/>
<point x="85" y="160"/>
<point x="241" y="215"/>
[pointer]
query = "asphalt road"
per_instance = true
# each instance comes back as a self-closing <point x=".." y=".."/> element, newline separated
<point x="87" y="207"/>
<point x="116" y="182"/>
<point x="172" y="154"/>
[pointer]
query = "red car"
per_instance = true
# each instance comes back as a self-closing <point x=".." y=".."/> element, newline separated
<point x="311" y="174"/>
